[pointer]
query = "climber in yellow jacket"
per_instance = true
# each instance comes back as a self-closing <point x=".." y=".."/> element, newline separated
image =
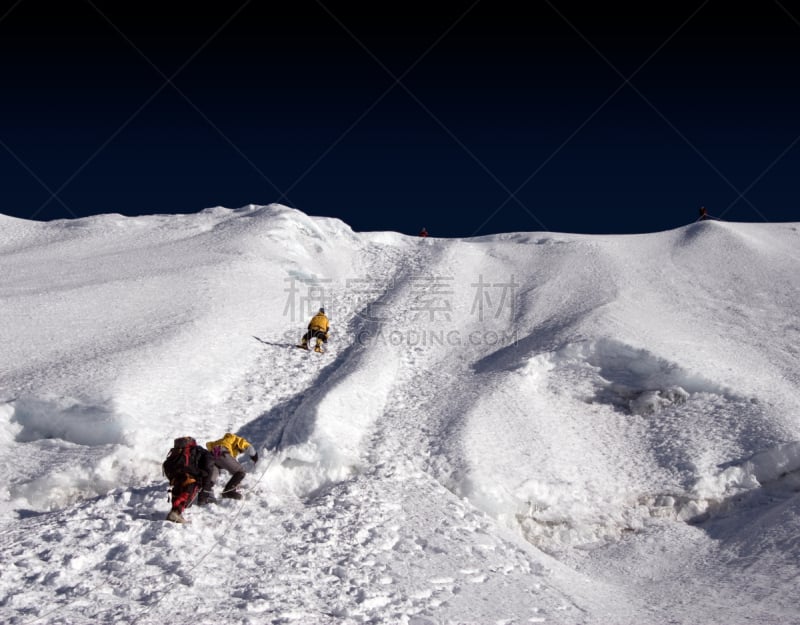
<point x="318" y="328"/>
<point x="225" y="451"/>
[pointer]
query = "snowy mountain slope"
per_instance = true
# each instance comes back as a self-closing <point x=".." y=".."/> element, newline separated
<point x="516" y="428"/>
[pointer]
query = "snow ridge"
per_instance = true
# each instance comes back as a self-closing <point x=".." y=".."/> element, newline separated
<point x="531" y="427"/>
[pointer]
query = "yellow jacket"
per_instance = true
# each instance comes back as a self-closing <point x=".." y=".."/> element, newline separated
<point x="231" y="443"/>
<point x="318" y="322"/>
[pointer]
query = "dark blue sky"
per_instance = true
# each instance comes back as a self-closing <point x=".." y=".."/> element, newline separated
<point x="469" y="120"/>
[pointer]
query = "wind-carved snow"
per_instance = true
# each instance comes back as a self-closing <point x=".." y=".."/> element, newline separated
<point x="518" y="428"/>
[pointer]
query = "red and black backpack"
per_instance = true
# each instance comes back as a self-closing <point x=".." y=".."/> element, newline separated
<point x="182" y="459"/>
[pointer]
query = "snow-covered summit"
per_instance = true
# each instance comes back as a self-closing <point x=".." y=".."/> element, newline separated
<point x="528" y="427"/>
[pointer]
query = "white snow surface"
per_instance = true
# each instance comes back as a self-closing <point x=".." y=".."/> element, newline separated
<point x="517" y="428"/>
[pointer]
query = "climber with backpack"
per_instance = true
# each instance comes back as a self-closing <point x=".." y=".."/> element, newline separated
<point x="191" y="473"/>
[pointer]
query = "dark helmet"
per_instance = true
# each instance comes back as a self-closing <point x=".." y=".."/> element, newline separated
<point x="322" y="310"/>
